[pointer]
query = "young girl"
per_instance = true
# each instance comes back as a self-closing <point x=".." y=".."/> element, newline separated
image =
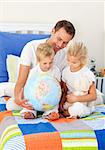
<point x="45" y="55"/>
<point x="79" y="92"/>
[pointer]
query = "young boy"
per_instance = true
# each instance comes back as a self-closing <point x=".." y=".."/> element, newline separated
<point x="45" y="55"/>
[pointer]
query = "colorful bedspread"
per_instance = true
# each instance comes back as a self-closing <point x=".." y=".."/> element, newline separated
<point x="17" y="133"/>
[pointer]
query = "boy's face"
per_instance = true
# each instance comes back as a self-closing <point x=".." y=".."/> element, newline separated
<point x="74" y="63"/>
<point x="46" y="63"/>
<point x="59" y="39"/>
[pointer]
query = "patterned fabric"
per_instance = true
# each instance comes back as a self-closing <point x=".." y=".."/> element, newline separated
<point x="40" y="134"/>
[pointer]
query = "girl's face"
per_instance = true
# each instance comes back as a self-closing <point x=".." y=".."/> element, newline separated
<point x="46" y="63"/>
<point x="74" y="63"/>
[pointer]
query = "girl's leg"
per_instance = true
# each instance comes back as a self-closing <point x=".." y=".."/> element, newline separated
<point x="79" y="110"/>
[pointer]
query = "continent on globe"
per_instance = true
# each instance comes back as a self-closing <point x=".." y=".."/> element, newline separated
<point x="43" y="92"/>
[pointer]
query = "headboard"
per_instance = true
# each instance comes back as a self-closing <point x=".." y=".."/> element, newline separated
<point x="14" y="36"/>
<point x="26" y="28"/>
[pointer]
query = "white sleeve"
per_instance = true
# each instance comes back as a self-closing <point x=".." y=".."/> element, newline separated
<point x="64" y="75"/>
<point x="60" y="59"/>
<point x="57" y="73"/>
<point x="91" y="77"/>
<point x="27" y="55"/>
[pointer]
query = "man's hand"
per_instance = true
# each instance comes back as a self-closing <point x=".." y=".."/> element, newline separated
<point x="22" y="102"/>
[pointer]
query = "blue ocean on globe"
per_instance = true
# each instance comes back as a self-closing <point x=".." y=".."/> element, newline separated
<point x="43" y="92"/>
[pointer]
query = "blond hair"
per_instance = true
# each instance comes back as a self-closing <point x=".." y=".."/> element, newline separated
<point x="80" y="51"/>
<point x="44" y="50"/>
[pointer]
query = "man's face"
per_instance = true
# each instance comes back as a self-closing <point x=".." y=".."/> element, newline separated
<point x="59" y="39"/>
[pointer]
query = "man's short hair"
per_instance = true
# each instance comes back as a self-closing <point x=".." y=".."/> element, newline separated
<point x="67" y="25"/>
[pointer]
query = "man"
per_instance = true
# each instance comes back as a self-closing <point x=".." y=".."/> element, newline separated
<point x="61" y="34"/>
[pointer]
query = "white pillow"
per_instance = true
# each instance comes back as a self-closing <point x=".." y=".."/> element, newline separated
<point x="12" y="67"/>
<point x="7" y="89"/>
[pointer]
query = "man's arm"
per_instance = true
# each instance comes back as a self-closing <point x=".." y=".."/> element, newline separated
<point x="21" y="81"/>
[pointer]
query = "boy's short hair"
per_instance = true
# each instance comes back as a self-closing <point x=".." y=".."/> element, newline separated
<point x="44" y="50"/>
<point x="78" y="50"/>
<point x="67" y="25"/>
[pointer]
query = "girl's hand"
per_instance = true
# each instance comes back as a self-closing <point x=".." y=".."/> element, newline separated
<point x="71" y="98"/>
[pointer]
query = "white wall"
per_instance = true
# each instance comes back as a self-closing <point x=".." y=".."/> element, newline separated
<point x="87" y="17"/>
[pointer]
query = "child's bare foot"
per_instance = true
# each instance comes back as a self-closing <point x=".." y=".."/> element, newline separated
<point x="29" y="115"/>
<point x="61" y="115"/>
<point x="53" y="116"/>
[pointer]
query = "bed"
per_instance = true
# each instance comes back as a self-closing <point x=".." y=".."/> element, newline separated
<point x="17" y="133"/>
<point x="40" y="134"/>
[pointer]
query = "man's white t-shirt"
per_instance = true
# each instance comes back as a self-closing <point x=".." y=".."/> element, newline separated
<point x="28" y="57"/>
